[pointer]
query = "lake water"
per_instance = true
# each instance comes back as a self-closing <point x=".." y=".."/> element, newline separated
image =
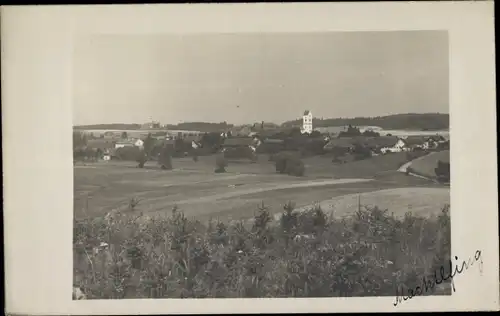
<point x="394" y="132"/>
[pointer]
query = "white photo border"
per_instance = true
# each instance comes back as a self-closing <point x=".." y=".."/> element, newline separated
<point x="37" y="123"/>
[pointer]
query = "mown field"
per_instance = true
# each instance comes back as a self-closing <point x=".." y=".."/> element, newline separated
<point x="201" y="193"/>
<point x="425" y="166"/>
<point x="178" y="233"/>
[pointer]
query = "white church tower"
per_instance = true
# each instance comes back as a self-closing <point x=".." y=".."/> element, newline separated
<point x="307" y="122"/>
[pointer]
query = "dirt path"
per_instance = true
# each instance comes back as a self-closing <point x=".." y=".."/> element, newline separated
<point x="272" y="187"/>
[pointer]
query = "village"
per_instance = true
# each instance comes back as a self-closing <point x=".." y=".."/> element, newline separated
<point x="249" y="141"/>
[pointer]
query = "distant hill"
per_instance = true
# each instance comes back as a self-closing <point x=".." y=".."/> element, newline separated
<point x="189" y="126"/>
<point x="201" y="126"/>
<point x="409" y="121"/>
<point x="119" y="126"/>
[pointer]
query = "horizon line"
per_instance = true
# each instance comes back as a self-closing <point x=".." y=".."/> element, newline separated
<point x="298" y="118"/>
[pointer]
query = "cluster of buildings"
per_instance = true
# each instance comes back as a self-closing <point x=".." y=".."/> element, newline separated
<point x="264" y="135"/>
<point x="389" y="144"/>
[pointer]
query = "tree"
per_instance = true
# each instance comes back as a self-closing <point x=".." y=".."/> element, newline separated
<point x="220" y="163"/>
<point x="350" y="132"/>
<point x="149" y="143"/>
<point x="165" y="159"/>
<point x="295" y="132"/>
<point x="442" y="171"/>
<point x="79" y="139"/>
<point x="361" y="152"/>
<point x="141" y="158"/>
<point x="315" y="134"/>
<point x="371" y="133"/>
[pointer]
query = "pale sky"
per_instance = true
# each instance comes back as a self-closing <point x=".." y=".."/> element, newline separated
<point x="271" y="77"/>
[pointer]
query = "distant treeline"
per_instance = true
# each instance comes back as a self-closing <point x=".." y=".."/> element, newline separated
<point x="413" y="121"/>
<point x="117" y="126"/>
<point x="200" y="126"/>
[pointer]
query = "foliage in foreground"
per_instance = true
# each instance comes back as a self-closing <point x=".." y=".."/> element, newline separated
<point x="305" y="254"/>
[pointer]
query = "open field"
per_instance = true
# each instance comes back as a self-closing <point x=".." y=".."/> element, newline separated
<point x="200" y="193"/>
<point x="425" y="165"/>
<point x="418" y="200"/>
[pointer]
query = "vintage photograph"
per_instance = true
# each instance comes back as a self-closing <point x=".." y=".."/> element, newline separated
<point x="261" y="165"/>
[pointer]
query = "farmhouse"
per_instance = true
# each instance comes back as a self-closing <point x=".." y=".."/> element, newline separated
<point x="339" y="145"/>
<point x="392" y="144"/>
<point x="192" y="141"/>
<point x="242" y="131"/>
<point x="239" y="147"/>
<point x="383" y="142"/>
<point x="413" y="142"/>
<point x="103" y="145"/>
<point x="124" y="143"/>
<point x="271" y="145"/>
<point x="238" y="142"/>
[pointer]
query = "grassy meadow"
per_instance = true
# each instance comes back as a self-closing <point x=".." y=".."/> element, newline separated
<point x="354" y="229"/>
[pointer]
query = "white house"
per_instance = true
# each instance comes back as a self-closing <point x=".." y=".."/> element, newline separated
<point x="400" y="145"/>
<point x="307" y="122"/>
<point x="396" y="148"/>
<point x="122" y="144"/>
<point x="139" y="143"/>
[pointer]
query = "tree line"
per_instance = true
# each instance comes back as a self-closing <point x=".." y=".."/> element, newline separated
<point x="426" y="121"/>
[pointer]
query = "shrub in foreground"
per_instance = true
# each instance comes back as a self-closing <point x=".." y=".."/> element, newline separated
<point x="305" y="254"/>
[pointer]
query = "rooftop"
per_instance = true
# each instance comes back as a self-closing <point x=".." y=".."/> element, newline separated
<point x="239" y="141"/>
<point x="100" y="143"/>
<point x="415" y="140"/>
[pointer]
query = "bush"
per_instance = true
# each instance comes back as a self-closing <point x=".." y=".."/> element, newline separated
<point x="220" y="163"/>
<point x="442" y="171"/>
<point x="288" y="162"/>
<point x="361" y="152"/>
<point x="165" y="159"/>
<point x="142" y="158"/>
<point x="295" y="167"/>
<point x="305" y="254"/>
<point x="129" y="153"/>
